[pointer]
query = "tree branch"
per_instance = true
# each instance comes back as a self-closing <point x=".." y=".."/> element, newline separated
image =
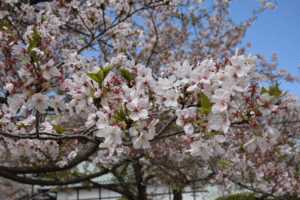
<point x="31" y="181"/>
<point x="51" y="168"/>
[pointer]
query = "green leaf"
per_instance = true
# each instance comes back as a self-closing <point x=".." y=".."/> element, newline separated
<point x="22" y="126"/>
<point x="225" y="164"/>
<point x="32" y="43"/>
<point x="94" y="76"/>
<point x="59" y="129"/>
<point x="100" y="74"/>
<point x="106" y="71"/>
<point x="241" y="147"/>
<point x="297" y="166"/>
<point x="36" y="36"/>
<point x="98" y="77"/>
<point x="282" y="157"/>
<point x="83" y="39"/>
<point x="274" y="90"/>
<point x="263" y="90"/>
<point x="35" y="42"/>
<point x="205" y="104"/>
<point x="43" y="19"/>
<point x="121" y="116"/>
<point x="126" y="75"/>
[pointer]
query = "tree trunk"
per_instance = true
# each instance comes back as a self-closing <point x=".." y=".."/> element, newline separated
<point x="177" y="194"/>
<point x="142" y="192"/>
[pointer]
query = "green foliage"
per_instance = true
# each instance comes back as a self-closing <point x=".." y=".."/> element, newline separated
<point x="59" y="129"/>
<point x="126" y="75"/>
<point x="100" y="75"/>
<point x="83" y="39"/>
<point x="121" y="116"/>
<point x="282" y="157"/>
<point x="35" y="42"/>
<point x="273" y="91"/>
<point x="107" y="70"/>
<point x="225" y="164"/>
<point x="204" y="103"/>
<point x="22" y="126"/>
<point x="293" y="197"/>
<point x="250" y="196"/>
<point x="240" y="196"/>
<point x="43" y="19"/>
<point x="263" y="90"/>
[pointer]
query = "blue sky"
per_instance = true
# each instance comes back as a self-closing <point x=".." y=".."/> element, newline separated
<point x="274" y="31"/>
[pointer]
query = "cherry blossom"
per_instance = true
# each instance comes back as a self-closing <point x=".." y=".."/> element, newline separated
<point x="50" y="70"/>
<point x="16" y="102"/>
<point x="57" y="104"/>
<point x="37" y="101"/>
<point x="171" y="98"/>
<point x="138" y="108"/>
<point x="183" y="119"/>
<point x="267" y="103"/>
<point x="132" y="89"/>
<point x="257" y="141"/>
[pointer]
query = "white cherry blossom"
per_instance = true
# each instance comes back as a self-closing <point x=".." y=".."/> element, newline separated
<point x="267" y="104"/>
<point x="50" y="70"/>
<point x="37" y="101"/>
<point x="58" y="104"/>
<point x="138" y="108"/>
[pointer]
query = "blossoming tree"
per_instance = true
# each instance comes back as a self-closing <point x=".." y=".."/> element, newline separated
<point x="179" y="107"/>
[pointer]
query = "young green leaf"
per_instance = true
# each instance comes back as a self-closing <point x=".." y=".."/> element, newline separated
<point x="274" y="90"/>
<point x="205" y="104"/>
<point x="59" y="129"/>
<point x="106" y="71"/>
<point x="35" y="42"/>
<point x="101" y="76"/>
<point x="263" y="90"/>
<point x="36" y="36"/>
<point x="126" y="75"/>
<point x="43" y="19"/>
<point x="22" y="126"/>
<point x="94" y="77"/>
<point x="121" y="116"/>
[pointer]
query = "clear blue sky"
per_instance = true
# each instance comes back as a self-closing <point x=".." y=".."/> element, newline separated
<point x="274" y="31"/>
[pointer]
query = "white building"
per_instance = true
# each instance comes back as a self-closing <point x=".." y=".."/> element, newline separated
<point x="154" y="193"/>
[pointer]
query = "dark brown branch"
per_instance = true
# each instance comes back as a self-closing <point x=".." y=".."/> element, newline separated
<point x="51" y="168"/>
<point x="31" y="181"/>
<point x="156" y="41"/>
<point x="10" y="174"/>
<point x="170" y="135"/>
<point x="141" y="188"/>
<point x="252" y="189"/>
<point x="119" y="178"/>
<point x="167" y="126"/>
<point x="34" y="2"/>
<point x="125" y="192"/>
<point x="3" y="100"/>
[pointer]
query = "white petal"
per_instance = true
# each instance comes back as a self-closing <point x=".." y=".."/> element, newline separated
<point x="220" y="138"/>
<point x="188" y="129"/>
